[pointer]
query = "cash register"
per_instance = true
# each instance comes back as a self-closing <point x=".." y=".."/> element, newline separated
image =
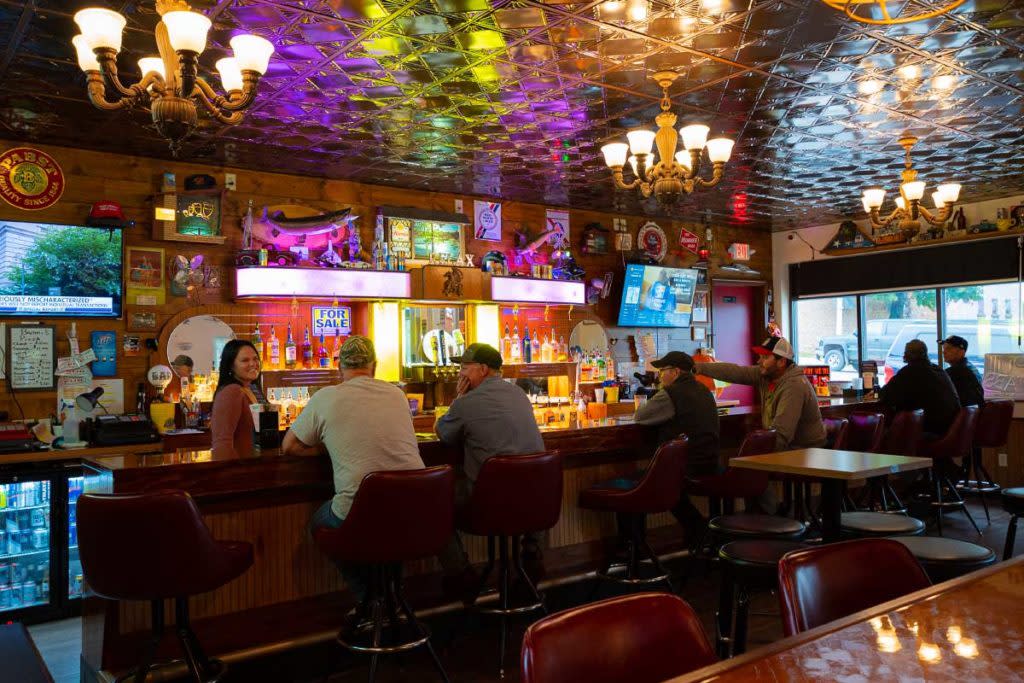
<point x="16" y="438"/>
<point x="119" y="430"/>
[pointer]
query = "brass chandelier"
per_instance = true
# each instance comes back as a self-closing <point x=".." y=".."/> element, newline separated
<point x="674" y="172"/>
<point x="862" y="11"/>
<point x="909" y="210"/>
<point x="170" y="85"/>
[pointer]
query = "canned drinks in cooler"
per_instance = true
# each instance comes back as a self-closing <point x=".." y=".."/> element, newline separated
<point x="40" y="538"/>
<point x="5" y="597"/>
<point x="28" y="592"/>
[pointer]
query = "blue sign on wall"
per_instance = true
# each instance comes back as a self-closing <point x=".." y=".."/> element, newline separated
<point x="104" y="345"/>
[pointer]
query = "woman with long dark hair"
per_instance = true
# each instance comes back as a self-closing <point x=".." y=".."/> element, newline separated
<point x="231" y="424"/>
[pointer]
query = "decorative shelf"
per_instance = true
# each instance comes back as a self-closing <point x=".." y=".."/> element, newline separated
<point x="326" y="284"/>
<point x="536" y="291"/>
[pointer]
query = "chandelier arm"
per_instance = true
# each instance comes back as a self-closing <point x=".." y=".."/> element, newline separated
<point x="620" y="183"/>
<point x="188" y="63"/>
<point x="939" y="218"/>
<point x="213" y="107"/>
<point x="97" y="90"/>
<point x="716" y="176"/>
<point x="108" y="65"/>
<point x="878" y="222"/>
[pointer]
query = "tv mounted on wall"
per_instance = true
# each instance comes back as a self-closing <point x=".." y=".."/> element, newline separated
<point x="60" y="271"/>
<point x="656" y="296"/>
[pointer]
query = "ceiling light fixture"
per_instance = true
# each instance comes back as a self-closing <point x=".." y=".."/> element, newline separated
<point x="877" y="11"/>
<point x="170" y="84"/>
<point x="908" y="209"/>
<point x="675" y="172"/>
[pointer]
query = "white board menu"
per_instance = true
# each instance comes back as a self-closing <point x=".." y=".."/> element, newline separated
<point x="31" y="356"/>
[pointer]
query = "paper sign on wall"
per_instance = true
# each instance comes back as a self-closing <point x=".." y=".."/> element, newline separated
<point x="331" y="321"/>
<point x="104" y="345"/>
<point x="688" y="240"/>
<point x="559" y="222"/>
<point x="487" y="225"/>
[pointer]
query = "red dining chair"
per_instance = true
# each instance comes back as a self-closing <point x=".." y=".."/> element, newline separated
<point x="819" y="585"/>
<point x="865" y="432"/>
<point x="640" y="638"/>
<point x="736" y="482"/>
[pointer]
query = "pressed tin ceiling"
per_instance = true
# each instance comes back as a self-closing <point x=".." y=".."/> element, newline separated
<point x="514" y="98"/>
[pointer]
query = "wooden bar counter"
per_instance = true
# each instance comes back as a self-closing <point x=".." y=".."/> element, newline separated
<point x="292" y="595"/>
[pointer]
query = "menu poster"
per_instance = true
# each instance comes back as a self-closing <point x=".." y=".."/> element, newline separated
<point x="32" y="356"/>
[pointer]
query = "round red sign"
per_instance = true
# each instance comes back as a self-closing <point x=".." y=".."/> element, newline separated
<point x="30" y="179"/>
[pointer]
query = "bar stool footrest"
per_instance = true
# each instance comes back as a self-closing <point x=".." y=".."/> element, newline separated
<point x="421" y="637"/>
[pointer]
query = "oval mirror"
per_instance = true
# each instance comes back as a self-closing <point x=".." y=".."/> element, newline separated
<point x="589" y="336"/>
<point x="201" y="338"/>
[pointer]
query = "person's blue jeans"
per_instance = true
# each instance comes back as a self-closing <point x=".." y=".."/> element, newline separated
<point x="355" y="575"/>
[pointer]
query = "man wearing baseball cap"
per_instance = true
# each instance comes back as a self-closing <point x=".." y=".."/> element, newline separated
<point x="921" y="384"/>
<point x="788" y="403"/>
<point x="965" y="376"/>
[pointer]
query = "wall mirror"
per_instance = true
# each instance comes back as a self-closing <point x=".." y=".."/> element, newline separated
<point x="201" y="338"/>
<point x="589" y="335"/>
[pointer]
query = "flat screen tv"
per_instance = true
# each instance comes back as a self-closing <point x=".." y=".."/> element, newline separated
<point x="655" y="296"/>
<point x="60" y="271"/>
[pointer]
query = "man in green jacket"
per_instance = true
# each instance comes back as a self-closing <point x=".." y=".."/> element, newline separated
<point x="788" y="403"/>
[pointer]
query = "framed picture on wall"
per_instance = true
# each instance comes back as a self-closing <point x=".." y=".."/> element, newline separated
<point x="145" y="282"/>
<point x="139" y="319"/>
<point x="31" y="357"/>
<point x="700" y="306"/>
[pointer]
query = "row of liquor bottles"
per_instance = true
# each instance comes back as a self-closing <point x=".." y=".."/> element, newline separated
<point x="291" y="356"/>
<point x="543" y="347"/>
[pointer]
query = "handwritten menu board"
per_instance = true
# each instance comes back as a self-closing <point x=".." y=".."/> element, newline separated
<point x="31" y="356"/>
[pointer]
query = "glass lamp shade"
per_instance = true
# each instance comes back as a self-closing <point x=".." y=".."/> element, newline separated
<point x="186" y="30"/>
<point x="634" y="165"/>
<point x="615" y="154"/>
<point x="873" y="197"/>
<point x="86" y="59"/>
<point x="913" y="190"/>
<point x="938" y="200"/>
<point x="695" y="136"/>
<point x="900" y="204"/>
<point x="640" y="141"/>
<point x="101" y="27"/>
<point x="230" y="74"/>
<point x="252" y="53"/>
<point x="864" y="202"/>
<point x="719" y="150"/>
<point x="683" y="159"/>
<point x="950" y="192"/>
<point x="147" y="64"/>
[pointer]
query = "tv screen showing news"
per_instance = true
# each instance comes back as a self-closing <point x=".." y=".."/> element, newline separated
<point x="50" y="270"/>
<point x="654" y="296"/>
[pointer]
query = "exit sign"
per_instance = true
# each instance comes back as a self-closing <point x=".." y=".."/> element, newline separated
<point x="739" y="251"/>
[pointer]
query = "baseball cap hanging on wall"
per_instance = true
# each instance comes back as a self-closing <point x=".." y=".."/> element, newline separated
<point x="108" y="214"/>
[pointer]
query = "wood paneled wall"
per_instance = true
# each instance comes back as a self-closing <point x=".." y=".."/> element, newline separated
<point x="133" y="181"/>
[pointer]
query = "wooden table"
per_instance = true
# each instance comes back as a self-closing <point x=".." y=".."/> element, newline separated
<point x="967" y="629"/>
<point x="834" y="469"/>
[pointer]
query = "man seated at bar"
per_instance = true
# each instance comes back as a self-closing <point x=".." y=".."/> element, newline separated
<point x="684" y="406"/>
<point x="231" y="425"/>
<point x="365" y="426"/>
<point x="488" y="417"/>
<point x="922" y="384"/>
<point x="788" y="402"/>
<point x="181" y="367"/>
<point x="965" y="377"/>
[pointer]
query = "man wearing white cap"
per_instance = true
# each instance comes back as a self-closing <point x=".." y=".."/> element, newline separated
<point x="788" y="403"/>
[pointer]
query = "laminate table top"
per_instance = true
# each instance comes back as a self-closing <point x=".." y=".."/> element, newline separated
<point x="826" y="463"/>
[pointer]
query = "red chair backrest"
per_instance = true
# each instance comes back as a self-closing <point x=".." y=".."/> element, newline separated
<point x="905" y="432"/>
<point x="993" y="428"/>
<point x="640" y="638"/>
<point x="143" y="546"/>
<point x="516" y="494"/>
<point x="835" y="432"/>
<point x="396" y="515"/>
<point x="822" y="584"/>
<point x="662" y="483"/>
<point x="865" y="432"/>
<point x="957" y="441"/>
<point x="758" y="442"/>
<point x="744" y="483"/>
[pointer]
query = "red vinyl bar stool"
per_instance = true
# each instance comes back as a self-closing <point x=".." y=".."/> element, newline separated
<point x="657" y="491"/>
<point x="163" y="550"/>
<point x="735" y="482"/>
<point x="992" y="431"/>
<point x="513" y="495"/>
<point x="1013" y="502"/>
<point x="955" y="444"/>
<point x="901" y="438"/>
<point x="396" y="516"/>
<point x="640" y="638"/>
<point x="828" y="582"/>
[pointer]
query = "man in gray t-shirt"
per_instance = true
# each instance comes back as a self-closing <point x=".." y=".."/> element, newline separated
<point x="488" y="417"/>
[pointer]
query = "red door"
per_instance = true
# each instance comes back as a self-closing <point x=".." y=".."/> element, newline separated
<point x="733" y="320"/>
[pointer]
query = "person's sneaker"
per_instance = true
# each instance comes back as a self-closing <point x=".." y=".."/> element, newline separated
<point x="464" y="586"/>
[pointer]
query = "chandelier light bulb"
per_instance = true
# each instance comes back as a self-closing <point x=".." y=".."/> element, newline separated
<point x="913" y="190"/>
<point x="252" y="52"/>
<point x="873" y="198"/>
<point x="864" y="203"/>
<point x="695" y="136"/>
<point x="102" y="28"/>
<point x="186" y="30"/>
<point x="870" y="86"/>
<point x="901" y="204"/>
<point x="938" y="200"/>
<point x="147" y="64"/>
<point x="86" y="58"/>
<point x="615" y="154"/>
<point x="944" y="82"/>
<point x="950" y="192"/>
<point x="230" y="74"/>
<point x="636" y="10"/>
<point x="719" y="150"/>
<point x="634" y="164"/>
<point x="910" y="72"/>
<point x="683" y="159"/>
<point x="640" y="141"/>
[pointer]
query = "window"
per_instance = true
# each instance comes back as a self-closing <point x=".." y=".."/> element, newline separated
<point x="827" y="334"/>
<point x="987" y="316"/>
<point x="891" y="319"/>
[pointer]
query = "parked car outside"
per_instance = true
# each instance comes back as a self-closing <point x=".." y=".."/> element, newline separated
<point x="840" y="350"/>
<point x="1001" y="340"/>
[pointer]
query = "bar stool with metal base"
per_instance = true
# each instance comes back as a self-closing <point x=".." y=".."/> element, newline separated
<point x="162" y="550"/>
<point x="864" y="524"/>
<point x="955" y="444"/>
<point x="992" y="431"/>
<point x="656" y="491"/>
<point x="513" y="496"/>
<point x="947" y="558"/>
<point x="901" y="438"/>
<point x="1013" y="502"/>
<point x="397" y="515"/>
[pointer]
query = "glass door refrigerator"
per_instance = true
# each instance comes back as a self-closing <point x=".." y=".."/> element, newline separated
<point x="76" y="483"/>
<point x="30" y="513"/>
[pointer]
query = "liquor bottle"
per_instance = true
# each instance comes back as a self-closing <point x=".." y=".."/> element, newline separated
<point x="527" y="347"/>
<point x="563" y="349"/>
<point x="506" y="346"/>
<point x="257" y="340"/>
<point x="545" y="350"/>
<point x="586" y="371"/>
<point x="601" y="368"/>
<point x="609" y="366"/>
<point x="336" y="348"/>
<point x="275" y="350"/>
<point x="307" y="350"/>
<point x="323" y="360"/>
<point x="517" y="347"/>
<point x="290" y="350"/>
<point x="535" y="348"/>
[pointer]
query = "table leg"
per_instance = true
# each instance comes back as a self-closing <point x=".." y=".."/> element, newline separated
<point x="831" y="509"/>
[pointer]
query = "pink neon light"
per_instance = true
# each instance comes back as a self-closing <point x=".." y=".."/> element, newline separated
<point x="322" y="282"/>
<point x="537" y="291"/>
